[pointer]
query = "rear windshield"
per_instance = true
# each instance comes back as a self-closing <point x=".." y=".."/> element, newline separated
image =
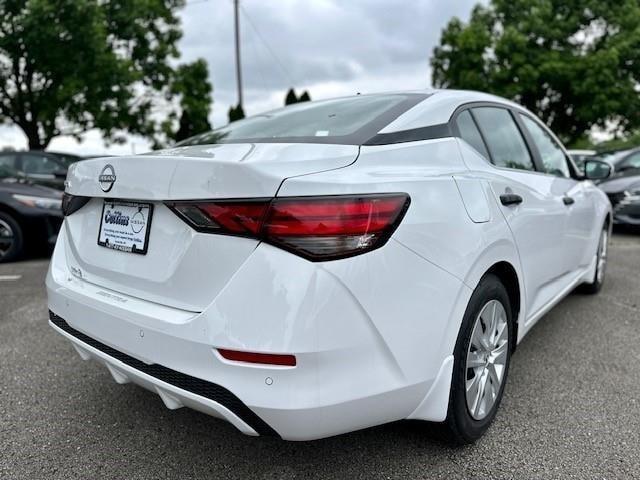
<point x="351" y="121"/>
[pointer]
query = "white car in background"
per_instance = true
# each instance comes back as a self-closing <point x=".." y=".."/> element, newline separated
<point x="332" y="265"/>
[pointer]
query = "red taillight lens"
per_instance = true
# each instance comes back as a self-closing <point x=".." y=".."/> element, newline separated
<point x="326" y="228"/>
<point x="316" y="228"/>
<point x="228" y="217"/>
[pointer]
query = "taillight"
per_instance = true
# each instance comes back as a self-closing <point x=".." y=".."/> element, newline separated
<point x="72" y="203"/>
<point x="242" y="218"/>
<point x="316" y="228"/>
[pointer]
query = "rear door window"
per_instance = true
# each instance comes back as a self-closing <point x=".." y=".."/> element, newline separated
<point x="504" y="140"/>
<point x="469" y="132"/>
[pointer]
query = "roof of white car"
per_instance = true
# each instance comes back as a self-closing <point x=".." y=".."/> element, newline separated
<point x="438" y="107"/>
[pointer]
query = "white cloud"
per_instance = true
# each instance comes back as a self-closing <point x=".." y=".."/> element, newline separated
<point x="328" y="47"/>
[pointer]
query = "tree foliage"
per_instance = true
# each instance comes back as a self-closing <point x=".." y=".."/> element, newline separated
<point x="67" y="66"/>
<point x="305" y="97"/>
<point x="191" y="85"/>
<point x="236" y="113"/>
<point x="574" y="63"/>
<point x="291" y="97"/>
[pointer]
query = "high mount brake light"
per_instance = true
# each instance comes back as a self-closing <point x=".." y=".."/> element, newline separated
<point x="316" y="228"/>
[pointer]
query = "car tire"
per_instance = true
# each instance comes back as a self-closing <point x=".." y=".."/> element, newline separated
<point x="468" y="418"/>
<point x="10" y="228"/>
<point x="595" y="285"/>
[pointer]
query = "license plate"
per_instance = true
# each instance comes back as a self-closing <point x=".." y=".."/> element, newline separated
<point x="125" y="226"/>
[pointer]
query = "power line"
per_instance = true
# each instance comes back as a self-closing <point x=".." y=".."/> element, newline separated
<point x="267" y="46"/>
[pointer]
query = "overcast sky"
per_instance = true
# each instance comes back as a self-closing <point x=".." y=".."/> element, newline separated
<point x="328" y="47"/>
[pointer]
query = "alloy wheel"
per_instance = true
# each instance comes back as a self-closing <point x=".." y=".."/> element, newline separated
<point x="486" y="359"/>
<point x="6" y="238"/>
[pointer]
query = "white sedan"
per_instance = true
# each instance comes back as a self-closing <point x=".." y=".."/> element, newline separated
<point x="332" y="265"/>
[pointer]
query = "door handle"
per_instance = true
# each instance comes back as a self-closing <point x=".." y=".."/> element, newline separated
<point x="510" y="199"/>
<point x="568" y="200"/>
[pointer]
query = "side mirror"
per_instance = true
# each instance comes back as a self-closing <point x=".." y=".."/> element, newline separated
<point x="596" y="169"/>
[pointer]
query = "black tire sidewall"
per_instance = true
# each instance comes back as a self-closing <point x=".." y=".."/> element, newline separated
<point x="464" y="427"/>
<point x="18" y="240"/>
<point x="595" y="286"/>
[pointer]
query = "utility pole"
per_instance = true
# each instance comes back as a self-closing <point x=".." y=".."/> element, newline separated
<point x="238" y="68"/>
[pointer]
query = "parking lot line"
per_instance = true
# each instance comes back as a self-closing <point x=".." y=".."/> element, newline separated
<point x="10" y="278"/>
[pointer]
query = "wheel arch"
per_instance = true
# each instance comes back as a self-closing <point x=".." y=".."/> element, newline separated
<point x="10" y="211"/>
<point x="23" y="222"/>
<point x="501" y="259"/>
<point x="508" y="276"/>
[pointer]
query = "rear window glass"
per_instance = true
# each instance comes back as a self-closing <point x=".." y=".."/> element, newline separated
<point x="349" y="121"/>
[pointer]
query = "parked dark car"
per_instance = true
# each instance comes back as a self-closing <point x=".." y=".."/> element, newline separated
<point x="30" y="215"/>
<point x="623" y="189"/>
<point x="623" y="160"/>
<point x="43" y="168"/>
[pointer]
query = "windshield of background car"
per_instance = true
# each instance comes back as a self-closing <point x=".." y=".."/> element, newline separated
<point x="7" y="172"/>
<point x="67" y="159"/>
<point x="350" y="121"/>
<point x="614" y="157"/>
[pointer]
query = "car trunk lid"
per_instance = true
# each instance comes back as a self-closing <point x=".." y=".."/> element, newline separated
<point x="182" y="268"/>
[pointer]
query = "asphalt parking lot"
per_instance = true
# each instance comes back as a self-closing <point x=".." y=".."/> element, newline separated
<point x="571" y="410"/>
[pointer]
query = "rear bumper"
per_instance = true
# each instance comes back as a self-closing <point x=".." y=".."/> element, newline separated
<point x="364" y="357"/>
<point x="176" y="389"/>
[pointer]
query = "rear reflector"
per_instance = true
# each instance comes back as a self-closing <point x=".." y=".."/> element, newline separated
<point x="316" y="228"/>
<point x="263" y="358"/>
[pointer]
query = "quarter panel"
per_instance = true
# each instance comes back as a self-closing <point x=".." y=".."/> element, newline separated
<point x="436" y="225"/>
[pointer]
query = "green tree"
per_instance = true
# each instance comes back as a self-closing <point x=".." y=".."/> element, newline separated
<point x="67" y="66"/>
<point x="291" y="97"/>
<point x="575" y="64"/>
<point x="305" y="97"/>
<point x="191" y="85"/>
<point x="236" y="113"/>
